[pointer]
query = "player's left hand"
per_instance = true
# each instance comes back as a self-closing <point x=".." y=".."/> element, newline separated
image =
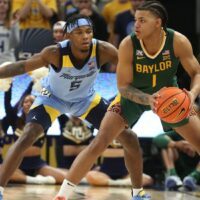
<point x="191" y="96"/>
<point x="153" y="101"/>
<point x="192" y="99"/>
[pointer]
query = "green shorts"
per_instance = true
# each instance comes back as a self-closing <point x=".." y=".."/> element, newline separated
<point x="132" y="111"/>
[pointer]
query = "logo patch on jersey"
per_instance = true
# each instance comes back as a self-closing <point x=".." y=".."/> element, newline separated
<point x="91" y="65"/>
<point x="166" y="52"/>
<point x="45" y="92"/>
<point x="166" y="55"/>
<point x="140" y="57"/>
<point x="139" y="53"/>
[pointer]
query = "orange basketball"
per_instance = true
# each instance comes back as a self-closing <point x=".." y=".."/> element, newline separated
<point x="173" y="105"/>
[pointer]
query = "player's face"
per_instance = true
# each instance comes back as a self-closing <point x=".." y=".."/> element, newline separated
<point x="145" y="24"/>
<point x="28" y="101"/>
<point x="58" y="35"/>
<point x="81" y="38"/>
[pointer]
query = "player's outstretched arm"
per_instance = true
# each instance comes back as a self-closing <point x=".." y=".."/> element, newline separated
<point x="46" y="56"/>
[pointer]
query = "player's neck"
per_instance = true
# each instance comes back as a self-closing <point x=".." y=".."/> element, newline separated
<point x="154" y="42"/>
<point x="79" y="55"/>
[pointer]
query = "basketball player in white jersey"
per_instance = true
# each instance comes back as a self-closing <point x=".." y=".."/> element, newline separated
<point x="68" y="88"/>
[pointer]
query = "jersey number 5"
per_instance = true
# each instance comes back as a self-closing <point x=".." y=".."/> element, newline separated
<point x="75" y="85"/>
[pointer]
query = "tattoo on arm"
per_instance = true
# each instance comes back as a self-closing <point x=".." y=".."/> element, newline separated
<point x="12" y="69"/>
<point x="135" y="95"/>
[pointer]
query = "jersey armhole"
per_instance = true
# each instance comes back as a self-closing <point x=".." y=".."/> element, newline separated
<point x="97" y="54"/>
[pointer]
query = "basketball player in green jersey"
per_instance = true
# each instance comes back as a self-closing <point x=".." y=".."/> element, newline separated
<point x="148" y="61"/>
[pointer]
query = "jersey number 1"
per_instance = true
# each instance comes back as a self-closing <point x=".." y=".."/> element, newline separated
<point x="154" y="80"/>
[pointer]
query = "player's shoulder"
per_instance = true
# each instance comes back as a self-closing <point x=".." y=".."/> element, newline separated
<point x="105" y="46"/>
<point x="49" y="50"/>
<point x="126" y="43"/>
<point x="107" y="53"/>
<point x="179" y="38"/>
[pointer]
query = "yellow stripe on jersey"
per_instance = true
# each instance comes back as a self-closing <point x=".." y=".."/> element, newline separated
<point x="53" y="113"/>
<point x="116" y="100"/>
<point x="93" y="104"/>
<point x="94" y="46"/>
<point x="66" y="61"/>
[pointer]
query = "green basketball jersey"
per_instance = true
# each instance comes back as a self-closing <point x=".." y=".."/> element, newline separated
<point x="150" y="73"/>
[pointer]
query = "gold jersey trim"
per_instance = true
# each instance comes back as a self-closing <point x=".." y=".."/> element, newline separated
<point x="67" y="61"/>
<point x="96" y="100"/>
<point x="159" y="50"/>
<point x="53" y="113"/>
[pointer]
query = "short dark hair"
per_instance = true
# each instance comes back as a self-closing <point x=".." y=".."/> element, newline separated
<point x="74" y="20"/>
<point x="157" y="9"/>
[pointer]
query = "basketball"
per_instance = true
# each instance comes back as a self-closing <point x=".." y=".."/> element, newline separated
<point x="173" y="105"/>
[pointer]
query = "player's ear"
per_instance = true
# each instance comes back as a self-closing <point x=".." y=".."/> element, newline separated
<point x="159" y="22"/>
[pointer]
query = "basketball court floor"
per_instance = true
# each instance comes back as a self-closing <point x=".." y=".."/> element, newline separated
<point x="43" y="192"/>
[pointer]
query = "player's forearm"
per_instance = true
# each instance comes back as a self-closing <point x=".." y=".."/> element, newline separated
<point x="134" y="95"/>
<point x="195" y="86"/>
<point x="12" y="69"/>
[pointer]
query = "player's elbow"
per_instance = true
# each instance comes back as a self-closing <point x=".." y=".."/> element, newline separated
<point x="122" y="90"/>
<point x="195" y="74"/>
<point x="122" y="86"/>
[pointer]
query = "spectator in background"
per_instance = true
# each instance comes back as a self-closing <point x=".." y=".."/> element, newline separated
<point x="85" y="7"/>
<point x="110" y="12"/>
<point x="124" y="23"/>
<point x="107" y="174"/>
<point x="70" y="7"/>
<point x="35" y="25"/>
<point x="9" y="36"/>
<point x="180" y="160"/>
<point x="11" y="118"/>
<point x="18" y="175"/>
<point x="32" y="164"/>
<point x="58" y="31"/>
<point x="34" y="13"/>
<point x="75" y="137"/>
